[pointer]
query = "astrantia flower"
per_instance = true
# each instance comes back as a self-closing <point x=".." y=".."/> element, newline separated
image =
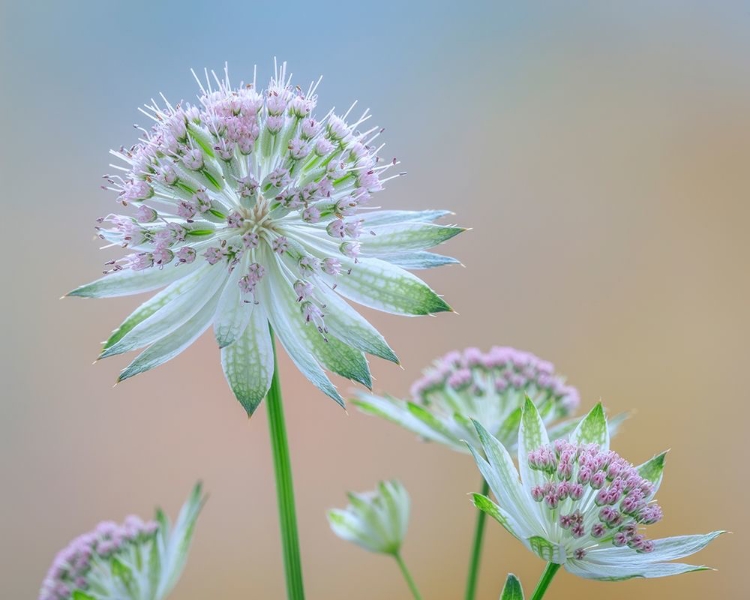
<point x="254" y="212"/>
<point x="376" y="520"/>
<point x="579" y="504"/>
<point x="487" y="387"/>
<point x="134" y="560"/>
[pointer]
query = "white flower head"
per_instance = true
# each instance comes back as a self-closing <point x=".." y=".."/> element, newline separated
<point x="489" y="387"/>
<point x="254" y="212"/>
<point x="136" y="560"/>
<point x="375" y="520"/>
<point x="579" y="504"/>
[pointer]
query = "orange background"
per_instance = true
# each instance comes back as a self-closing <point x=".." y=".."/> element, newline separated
<point x="599" y="153"/>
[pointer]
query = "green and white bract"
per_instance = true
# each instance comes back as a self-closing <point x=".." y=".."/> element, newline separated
<point x="252" y="213"/>
<point x="579" y="504"/>
<point x="375" y="520"/>
<point x="135" y="560"/>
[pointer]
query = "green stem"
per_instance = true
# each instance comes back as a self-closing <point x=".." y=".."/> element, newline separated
<point x="545" y="580"/>
<point x="284" y="488"/>
<point x="476" y="552"/>
<point x="408" y="577"/>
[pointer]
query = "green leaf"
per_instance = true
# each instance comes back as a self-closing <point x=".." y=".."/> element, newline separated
<point x="154" y="563"/>
<point x="122" y="572"/>
<point x="352" y="328"/>
<point x="388" y="239"/>
<point x="166" y="312"/>
<point x="287" y="333"/>
<point x="637" y="567"/>
<point x="248" y="362"/>
<point x="501" y="475"/>
<point x="232" y="312"/>
<point x="429" y="419"/>
<point x="128" y="282"/>
<point x="202" y="138"/>
<point x="512" y="589"/>
<point x="486" y="505"/>
<point x="419" y="260"/>
<point x="333" y="354"/>
<point x="507" y="434"/>
<point x="592" y="429"/>
<point x="388" y="217"/>
<point x="380" y="285"/>
<point x="665" y="549"/>
<point x="397" y="411"/>
<point x="543" y="548"/>
<point x="531" y="435"/>
<point x="173" y="344"/>
<point x="79" y="595"/>
<point x="653" y="470"/>
<point x="178" y="542"/>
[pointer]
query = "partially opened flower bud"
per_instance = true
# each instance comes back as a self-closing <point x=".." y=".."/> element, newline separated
<point x="375" y="520"/>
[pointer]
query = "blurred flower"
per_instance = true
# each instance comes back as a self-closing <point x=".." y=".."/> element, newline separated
<point x="486" y="387"/>
<point x="136" y="560"/>
<point x="580" y="505"/>
<point x="376" y="520"/>
<point x="253" y="212"/>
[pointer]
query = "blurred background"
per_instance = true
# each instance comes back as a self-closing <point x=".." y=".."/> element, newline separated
<point x="601" y="155"/>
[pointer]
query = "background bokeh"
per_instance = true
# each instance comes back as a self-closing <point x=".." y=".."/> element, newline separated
<point x="601" y="155"/>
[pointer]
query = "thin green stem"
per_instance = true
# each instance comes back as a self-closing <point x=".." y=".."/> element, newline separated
<point x="476" y="551"/>
<point x="284" y="488"/>
<point x="545" y="580"/>
<point x="408" y="577"/>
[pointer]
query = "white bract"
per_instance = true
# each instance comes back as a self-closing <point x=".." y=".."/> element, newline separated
<point x="375" y="520"/>
<point x="489" y="387"/>
<point x="252" y="212"/>
<point x="135" y="560"/>
<point x="579" y="504"/>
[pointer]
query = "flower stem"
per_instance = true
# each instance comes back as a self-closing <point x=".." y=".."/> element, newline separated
<point x="545" y="580"/>
<point x="476" y="552"/>
<point x="408" y="577"/>
<point x="284" y="487"/>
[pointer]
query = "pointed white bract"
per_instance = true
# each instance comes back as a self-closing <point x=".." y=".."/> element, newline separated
<point x="577" y="503"/>
<point x="473" y="385"/>
<point x="375" y="520"/>
<point x="253" y="212"/>
<point x="134" y="560"/>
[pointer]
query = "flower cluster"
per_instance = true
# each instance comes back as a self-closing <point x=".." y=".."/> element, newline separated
<point x="375" y="520"/>
<point x="579" y="504"/>
<point x="88" y="562"/>
<point x="489" y="387"/>
<point x="256" y="212"/>
<point x="583" y="476"/>
<point x="136" y="560"/>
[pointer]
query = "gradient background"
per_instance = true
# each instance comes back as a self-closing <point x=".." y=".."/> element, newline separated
<point x="599" y="152"/>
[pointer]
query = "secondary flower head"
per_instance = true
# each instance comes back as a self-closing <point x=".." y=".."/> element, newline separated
<point x="253" y="211"/>
<point x="376" y="520"/>
<point x="136" y="559"/>
<point x="473" y="385"/>
<point x="579" y="504"/>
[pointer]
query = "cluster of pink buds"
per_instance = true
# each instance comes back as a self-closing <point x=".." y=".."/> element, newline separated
<point x="597" y="495"/>
<point x="501" y="370"/>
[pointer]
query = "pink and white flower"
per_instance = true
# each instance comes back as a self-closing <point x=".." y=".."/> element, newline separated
<point x="238" y="202"/>
<point x="578" y="504"/>
<point x="136" y="559"/>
